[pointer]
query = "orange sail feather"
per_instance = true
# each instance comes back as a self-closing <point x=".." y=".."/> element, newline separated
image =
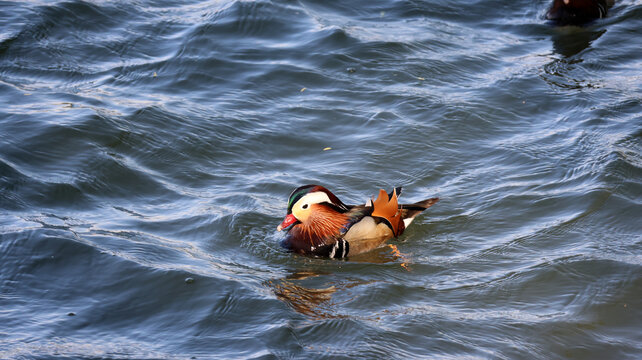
<point x="388" y="209"/>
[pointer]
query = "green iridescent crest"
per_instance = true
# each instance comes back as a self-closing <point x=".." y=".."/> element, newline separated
<point x="298" y="194"/>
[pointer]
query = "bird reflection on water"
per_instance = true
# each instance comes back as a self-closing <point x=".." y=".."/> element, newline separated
<point x="571" y="40"/>
<point x="313" y="293"/>
<point x="313" y="302"/>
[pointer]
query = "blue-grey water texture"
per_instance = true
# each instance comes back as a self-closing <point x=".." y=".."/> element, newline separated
<point x="147" y="150"/>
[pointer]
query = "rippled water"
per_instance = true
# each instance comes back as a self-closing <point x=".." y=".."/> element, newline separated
<point x="147" y="149"/>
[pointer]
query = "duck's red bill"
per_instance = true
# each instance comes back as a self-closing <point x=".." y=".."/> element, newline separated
<point x="289" y="220"/>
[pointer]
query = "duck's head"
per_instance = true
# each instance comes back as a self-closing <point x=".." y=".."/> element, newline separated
<point x="302" y="201"/>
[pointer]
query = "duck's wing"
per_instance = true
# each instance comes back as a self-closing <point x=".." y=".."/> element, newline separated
<point x="379" y="220"/>
<point x="385" y="209"/>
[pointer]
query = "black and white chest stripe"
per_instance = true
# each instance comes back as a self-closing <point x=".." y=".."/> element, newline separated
<point x="339" y="249"/>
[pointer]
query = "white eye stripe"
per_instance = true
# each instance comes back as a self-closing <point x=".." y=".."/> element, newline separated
<point x="313" y="198"/>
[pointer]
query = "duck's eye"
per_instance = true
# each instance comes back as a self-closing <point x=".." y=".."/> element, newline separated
<point x="305" y="206"/>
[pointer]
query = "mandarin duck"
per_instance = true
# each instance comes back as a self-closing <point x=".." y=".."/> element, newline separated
<point x="319" y="224"/>
<point x="577" y="12"/>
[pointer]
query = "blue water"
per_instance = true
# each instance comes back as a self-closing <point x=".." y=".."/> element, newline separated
<point x="147" y="150"/>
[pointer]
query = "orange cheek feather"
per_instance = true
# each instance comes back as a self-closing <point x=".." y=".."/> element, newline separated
<point x="323" y="222"/>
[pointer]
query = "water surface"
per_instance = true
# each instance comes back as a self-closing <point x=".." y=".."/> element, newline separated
<point x="147" y="149"/>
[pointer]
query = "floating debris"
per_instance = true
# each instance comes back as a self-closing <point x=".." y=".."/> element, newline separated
<point x="189" y="280"/>
<point x="303" y="89"/>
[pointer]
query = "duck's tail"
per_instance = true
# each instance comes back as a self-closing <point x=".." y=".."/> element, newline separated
<point x="409" y="211"/>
